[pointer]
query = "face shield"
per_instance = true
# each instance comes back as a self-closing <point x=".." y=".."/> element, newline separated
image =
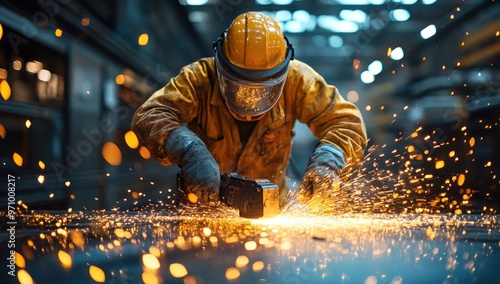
<point x="250" y="93"/>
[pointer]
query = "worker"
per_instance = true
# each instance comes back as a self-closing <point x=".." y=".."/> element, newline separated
<point x="236" y="111"/>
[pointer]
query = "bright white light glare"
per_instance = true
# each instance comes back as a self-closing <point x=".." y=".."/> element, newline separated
<point x="345" y="27"/>
<point x="311" y="25"/>
<point x="283" y="16"/>
<point x="263" y="2"/>
<point x="282" y="2"/>
<point x="428" y="2"/>
<point x="397" y="53"/>
<point x="353" y="15"/>
<point x="399" y="15"/>
<point x="354" y="2"/>
<point x="295" y="27"/>
<point x="377" y="2"/>
<point x="333" y="24"/>
<point x="428" y="31"/>
<point x="408" y="2"/>
<point x="301" y="16"/>
<point x="196" y="2"/>
<point x="335" y="41"/>
<point x="367" y="77"/>
<point x="375" y="67"/>
<point x="326" y="21"/>
<point x="44" y="75"/>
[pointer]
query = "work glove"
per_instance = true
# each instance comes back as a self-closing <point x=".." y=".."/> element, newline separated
<point x="199" y="169"/>
<point x="321" y="182"/>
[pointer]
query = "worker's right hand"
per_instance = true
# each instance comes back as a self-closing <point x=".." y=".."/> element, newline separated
<point x="200" y="171"/>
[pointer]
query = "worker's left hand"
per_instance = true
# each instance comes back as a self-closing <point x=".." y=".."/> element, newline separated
<point x="321" y="180"/>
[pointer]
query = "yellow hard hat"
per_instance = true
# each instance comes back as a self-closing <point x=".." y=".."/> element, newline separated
<point x="252" y="58"/>
<point x="254" y="41"/>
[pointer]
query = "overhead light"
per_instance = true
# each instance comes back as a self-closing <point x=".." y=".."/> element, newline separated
<point x="295" y="27"/>
<point x="333" y="24"/>
<point x="428" y="31"/>
<point x="428" y="2"/>
<point x="263" y="2"/>
<point x="354" y="2"/>
<point x="375" y="67"/>
<point x="282" y="2"/>
<point x="345" y="27"/>
<point x="326" y="21"/>
<point x="397" y="53"/>
<point x="283" y="15"/>
<point x="196" y="2"/>
<point x="301" y="16"/>
<point x="399" y="15"/>
<point x="353" y="15"/>
<point x="408" y="2"/>
<point x="367" y="77"/>
<point x="335" y="41"/>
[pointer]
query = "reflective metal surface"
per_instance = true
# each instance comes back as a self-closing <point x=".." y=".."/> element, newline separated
<point x="217" y="246"/>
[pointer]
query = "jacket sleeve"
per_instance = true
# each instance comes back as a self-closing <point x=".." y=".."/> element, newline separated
<point x="166" y="110"/>
<point x="331" y="118"/>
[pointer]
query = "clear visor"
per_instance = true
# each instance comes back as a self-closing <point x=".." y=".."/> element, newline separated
<point x="248" y="100"/>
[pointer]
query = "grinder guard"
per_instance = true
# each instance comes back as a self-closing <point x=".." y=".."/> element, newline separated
<point x="254" y="198"/>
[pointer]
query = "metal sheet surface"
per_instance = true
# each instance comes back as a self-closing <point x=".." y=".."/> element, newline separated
<point x="149" y="247"/>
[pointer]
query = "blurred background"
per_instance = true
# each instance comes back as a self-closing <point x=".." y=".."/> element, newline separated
<point x="424" y="73"/>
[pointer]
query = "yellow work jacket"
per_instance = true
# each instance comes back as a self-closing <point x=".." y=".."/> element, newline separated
<point x="193" y="98"/>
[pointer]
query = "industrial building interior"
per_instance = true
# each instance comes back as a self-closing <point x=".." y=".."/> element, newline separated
<point x="424" y="74"/>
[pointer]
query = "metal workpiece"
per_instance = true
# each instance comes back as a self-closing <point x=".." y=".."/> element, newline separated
<point x="218" y="246"/>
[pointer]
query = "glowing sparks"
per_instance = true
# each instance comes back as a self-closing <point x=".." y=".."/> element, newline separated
<point x="65" y="259"/>
<point x="143" y="39"/>
<point x="120" y="79"/>
<point x="3" y="131"/>
<point x="439" y="164"/>
<point x="18" y="160"/>
<point x="241" y="261"/>
<point x="250" y="245"/>
<point x="20" y="261"/>
<point x="207" y="232"/>
<point x="232" y="273"/>
<point x="177" y="270"/>
<point x="112" y="154"/>
<point x="97" y="274"/>
<point x="150" y="261"/>
<point x="144" y="152"/>
<point x="150" y="278"/>
<point x="131" y="140"/>
<point x="58" y="32"/>
<point x="258" y="266"/>
<point x="24" y="277"/>
<point x="5" y="90"/>
<point x="461" y="179"/>
<point x="192" y="197"/>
